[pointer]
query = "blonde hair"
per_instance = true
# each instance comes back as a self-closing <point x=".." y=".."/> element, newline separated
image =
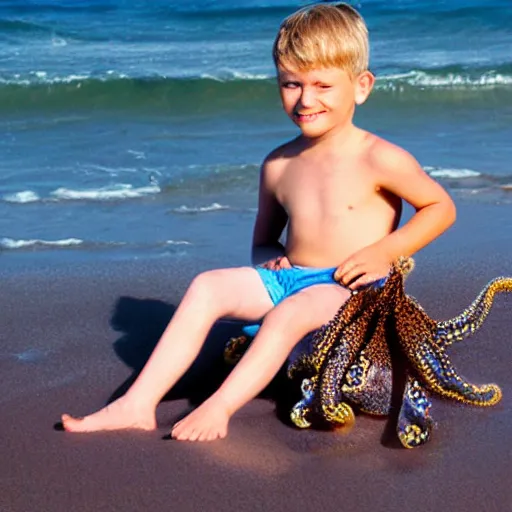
<point x="323" y="36"/>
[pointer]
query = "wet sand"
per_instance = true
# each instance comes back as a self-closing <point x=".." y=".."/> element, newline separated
<point x="72" y="338"/>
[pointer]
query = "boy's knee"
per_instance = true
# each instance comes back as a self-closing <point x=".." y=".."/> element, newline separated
<point x="205" y="284"/>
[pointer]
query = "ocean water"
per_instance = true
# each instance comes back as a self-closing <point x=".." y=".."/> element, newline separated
<point x="135" y="129"/>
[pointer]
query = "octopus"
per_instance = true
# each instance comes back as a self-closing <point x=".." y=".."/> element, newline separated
<point x="381" y="339"/>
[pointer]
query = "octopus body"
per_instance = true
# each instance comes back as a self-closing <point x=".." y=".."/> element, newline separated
<point x="352" y="360"/>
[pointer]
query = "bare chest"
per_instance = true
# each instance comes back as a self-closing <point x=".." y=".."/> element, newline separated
<point x="327" y="191"/>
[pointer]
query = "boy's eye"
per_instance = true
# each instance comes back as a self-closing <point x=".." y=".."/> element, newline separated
<point x="289" y="85"/>
<point x="325" y="86"/>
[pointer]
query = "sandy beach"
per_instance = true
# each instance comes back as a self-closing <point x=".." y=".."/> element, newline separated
<point x="132" y="139"/>
<point x="73" y="337"/>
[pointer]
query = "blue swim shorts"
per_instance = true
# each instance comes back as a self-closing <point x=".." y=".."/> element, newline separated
<point x="285" y="282"/>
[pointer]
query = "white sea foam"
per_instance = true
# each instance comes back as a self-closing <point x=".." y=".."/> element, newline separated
<point x="438" y="172"/>
<point x="225" y="75"/>
<point x="11" y="243"/>
<point x="424" y="79"/>
<point x="177" y="242"/>
<point x="199" y="209"/>
<point x="120" y="191"/>
<point x="59" y="41"/>
<point x="42" y="77"/>
<point x="244" y="75"/>
<point x="25" y="196"/>
<point x="139" y="155"/>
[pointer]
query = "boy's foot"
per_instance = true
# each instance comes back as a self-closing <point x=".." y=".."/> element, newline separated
<point x="118" y="415"/>
<point x="207" y="423"/>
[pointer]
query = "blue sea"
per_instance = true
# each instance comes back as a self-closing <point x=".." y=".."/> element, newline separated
<point x="135" y="128"/>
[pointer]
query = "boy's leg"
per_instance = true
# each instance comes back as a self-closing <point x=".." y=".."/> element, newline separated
<point x="283" y="327"/>
<point x="235" y="292"/>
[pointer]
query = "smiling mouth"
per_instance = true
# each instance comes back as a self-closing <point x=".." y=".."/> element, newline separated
<point x="305" y="118"/>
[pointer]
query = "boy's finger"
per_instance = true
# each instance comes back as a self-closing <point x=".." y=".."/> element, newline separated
<point x="285" y="262"/>
<point x="342" y="270"/>
<point x="352" y="274"/>
<point x="362" y="281"/>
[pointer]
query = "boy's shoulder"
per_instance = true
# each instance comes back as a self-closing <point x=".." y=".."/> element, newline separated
<point x="278" y="158"/>
<point x="387" y="157"/>
<point x="283" y="153"/>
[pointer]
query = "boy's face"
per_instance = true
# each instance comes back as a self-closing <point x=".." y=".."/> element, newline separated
<point x="321" y="100"/>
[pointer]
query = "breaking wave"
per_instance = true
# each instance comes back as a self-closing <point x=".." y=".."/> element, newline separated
<point x="228" y="89"/>
<point x="109" y="193"/>
<point x="11" y="243"/>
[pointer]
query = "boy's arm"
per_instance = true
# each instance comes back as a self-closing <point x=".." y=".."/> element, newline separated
<point x="270" y="220"/>
<point x="400" y="174"/>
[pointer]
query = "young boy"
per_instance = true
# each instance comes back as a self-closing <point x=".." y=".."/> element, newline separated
<point x="340" y="190"/>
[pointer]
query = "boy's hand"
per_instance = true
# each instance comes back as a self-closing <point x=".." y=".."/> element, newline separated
<point x="277" y="263"/>
<point x="363" y="267"/>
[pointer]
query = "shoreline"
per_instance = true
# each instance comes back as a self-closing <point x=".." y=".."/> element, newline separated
<point x="226" y="242"/>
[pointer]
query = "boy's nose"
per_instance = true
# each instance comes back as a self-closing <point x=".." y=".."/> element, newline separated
<point x="307" y="98"/>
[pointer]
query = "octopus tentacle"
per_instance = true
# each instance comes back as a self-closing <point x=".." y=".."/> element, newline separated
<point x="354" y="338"/>
<point x="345" y="317"/>
<point x="404" y="265"/>
<point x="302" y="410"/>
<point x="368" y="382"/>
<point x="334" y="410"/>
<point x="414" y="422"/>
<point x="433" y="365"/>
<point x="235" y="348"/>
<point x="337" y="336"/>
<point x="325" y="337"/>
<point x="440" y="376"/>
<point x="472" y="318"/>
<point x="367" y="328"/>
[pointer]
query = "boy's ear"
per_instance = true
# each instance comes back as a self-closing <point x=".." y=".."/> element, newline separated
<point x="364" y="86"/>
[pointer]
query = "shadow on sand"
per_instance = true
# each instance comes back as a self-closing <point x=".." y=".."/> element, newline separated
<point x="142" y="322"/>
